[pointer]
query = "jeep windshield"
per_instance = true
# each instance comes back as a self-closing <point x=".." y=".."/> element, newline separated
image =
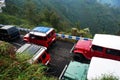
<point x="37" y="37"/>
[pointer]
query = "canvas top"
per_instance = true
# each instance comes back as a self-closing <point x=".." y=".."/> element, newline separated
<point x="31" y="49"/>
<point x="107" y="41"/>
<point x="101" y="66"/>
<point x="41" y="31"/>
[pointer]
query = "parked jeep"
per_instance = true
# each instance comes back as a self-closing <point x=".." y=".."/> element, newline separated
<point x="74" y="71"/>
<point x="102" y="45"/>
<point x="38" y="53"/>
<point x="100" y="68"/>
<point x="96" y="70"/>
<point x="44" y="36"/>
<point x="8" y="32"/>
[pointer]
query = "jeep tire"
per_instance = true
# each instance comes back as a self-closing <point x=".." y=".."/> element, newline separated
<point x="78" y="57"/>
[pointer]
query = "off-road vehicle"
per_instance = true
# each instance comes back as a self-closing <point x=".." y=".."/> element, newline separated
<point x="102" y="45"/>
<point x="44" y="36"/>
<point x="38" y="53"/>
<point x="9" y="32"/>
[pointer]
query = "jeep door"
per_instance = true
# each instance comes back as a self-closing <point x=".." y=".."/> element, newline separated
<point x="97" y="51"/>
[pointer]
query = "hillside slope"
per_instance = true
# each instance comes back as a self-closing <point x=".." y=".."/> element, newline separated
<point x="16" y="67"/>
<point x="113" y="3"/>
<point x="99" y="18"/>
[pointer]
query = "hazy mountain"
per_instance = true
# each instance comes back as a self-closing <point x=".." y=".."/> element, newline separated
<point x="114" y="3"/>
<point x="89" y="13"/>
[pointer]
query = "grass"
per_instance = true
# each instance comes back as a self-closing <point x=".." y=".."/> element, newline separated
<point x="18" y="68"/>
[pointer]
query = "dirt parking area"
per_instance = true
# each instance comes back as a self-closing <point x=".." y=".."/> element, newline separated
<point x="60" y="56"/>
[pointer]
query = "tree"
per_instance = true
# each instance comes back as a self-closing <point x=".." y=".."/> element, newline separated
<point x="47" y="14"/>
<point x="11" y="8"/>
<point x="77" y="25"/>
<point x="30" y="11"/>
<point x="54" y="20"/>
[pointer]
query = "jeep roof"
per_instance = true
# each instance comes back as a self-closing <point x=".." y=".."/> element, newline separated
<point x="41" y="31"/>
<point x="101" y="66"/>
<point x="7" y="26"/>
<point x="108" y="41"/>
<point x="32" y="49"/>
<point x="8" y="29"/>
<point x="75" y="71"/>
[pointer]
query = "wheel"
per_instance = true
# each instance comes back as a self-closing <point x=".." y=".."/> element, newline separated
<point x="78" y="57"/>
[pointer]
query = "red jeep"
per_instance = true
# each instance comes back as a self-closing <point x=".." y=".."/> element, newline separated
<point x="38" y="53"/>
<point x="102" y="45"/>
<point x="41" y="35"/>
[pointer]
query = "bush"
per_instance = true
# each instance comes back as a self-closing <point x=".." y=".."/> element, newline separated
<point x="19" y="68"/>
<point x="7" y="49"/>
<point x="107" y="77"/>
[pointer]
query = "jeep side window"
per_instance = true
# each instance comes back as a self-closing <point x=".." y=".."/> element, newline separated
<point x="45" y="38"/>
<point x="113" y="52"/>
<point x="32" y="36"/>
<point x="43" y="55"/>
<point x="37" y="37"/>
<point x="3" y="31"/>
<point x="49" y="35"/>
<point x="52" y="32"/>
<point x="12" y="30"/>
<point x="97" y="48"/>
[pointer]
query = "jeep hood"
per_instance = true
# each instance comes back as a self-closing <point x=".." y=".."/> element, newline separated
<point x="83" y="44"/>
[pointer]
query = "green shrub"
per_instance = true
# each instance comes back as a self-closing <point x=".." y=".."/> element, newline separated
<point x="19" y="68"/>
<point x="7" y="49"/>
<point x="107" y="77"/>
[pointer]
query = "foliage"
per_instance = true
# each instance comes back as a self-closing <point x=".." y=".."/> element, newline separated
<point x="18" y="68"/>
<point x="114" y="3"/>
<point x="62" y="15"/>
<point x="7" y="49"/>
<point x="81" y="32"/>
<point x="107" y="77"/>
<point x="12" y="20"/>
